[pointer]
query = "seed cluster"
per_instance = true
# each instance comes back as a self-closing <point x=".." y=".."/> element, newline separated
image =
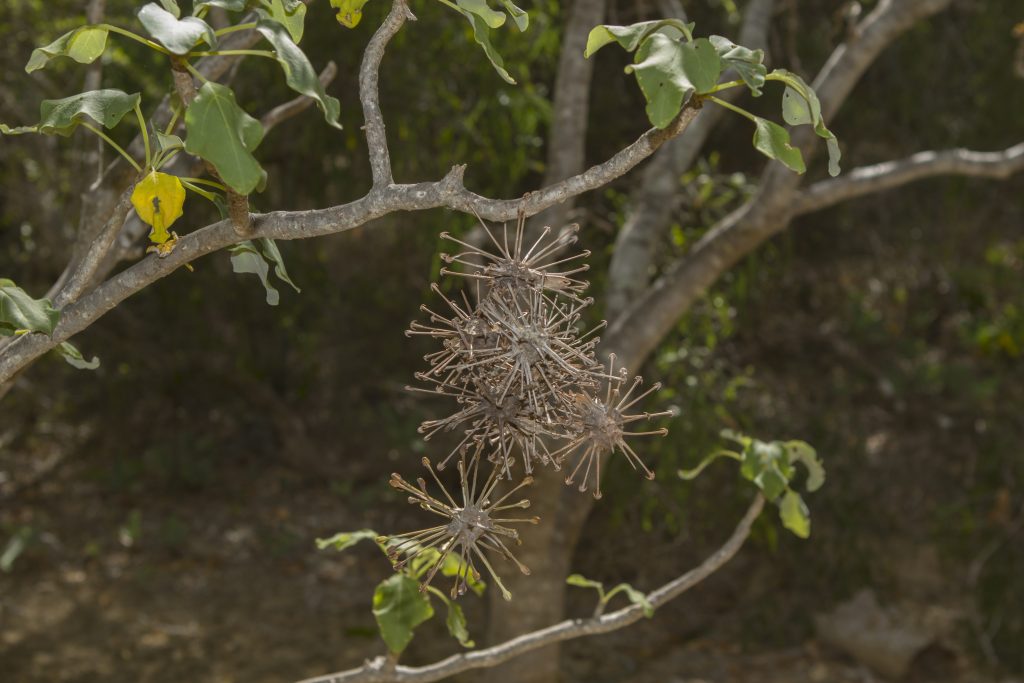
<point x="528" y="391"/>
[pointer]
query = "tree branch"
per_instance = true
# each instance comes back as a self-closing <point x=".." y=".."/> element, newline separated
<point x="566" y="144"/>
<point x="843" y="69"/>
<point x="380" y="670"/>
<point x="890" y="174"/>
<point x="448" y="192"/>
<point x="369" y="72"/>
<point x="657" y="197"/>
<point x="639" y="329"/>
<point x="87" y="268"/>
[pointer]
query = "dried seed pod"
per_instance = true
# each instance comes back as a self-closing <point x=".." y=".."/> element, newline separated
<point x="471" y="529"/>
<point x="602" y="430"/>
<point x="522" y="268"/>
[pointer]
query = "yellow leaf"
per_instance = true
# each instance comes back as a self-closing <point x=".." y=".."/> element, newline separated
<point x="350" y="12"/>
<point x="158" y="199"/>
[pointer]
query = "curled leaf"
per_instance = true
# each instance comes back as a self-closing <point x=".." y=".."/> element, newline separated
<point x="177" y="35"/>
<point x="20" y="313"/>
<point x="60" y="117"/>
<point x="84" y="45"/>
<point x="74" y="357"/>
<point x="298" y="72"/>
<point x="772" y="140"/>
<point x="345" y="539"/>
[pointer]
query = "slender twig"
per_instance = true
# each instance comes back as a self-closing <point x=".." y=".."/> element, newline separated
<point x="379" y="670"/>
<point x="83" y="275"/>
<point x="120" y="150"/>
<point x="891" y="174"/>
<point x="369" y="75"/>
<point x="448" y="192"/>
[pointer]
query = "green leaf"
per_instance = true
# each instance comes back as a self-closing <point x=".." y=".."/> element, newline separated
<point x="298" y="72"/>
<point x="581" y="581"/>
<point x="16" y="545"/>
<point x="20" y="313"/>
<point x="482" y="36"/>
<point x="245" y="258"/>
<point x="834" y="154"/>
<point x="519" y="16"/>
<point x="177" y="35"/>
<point x="166" y="143"/>
<point x="749" y="64"/>
<point x="399" y="606"/>
<point x="345" y="539"/>
<point x="457" y="625"/>
<point x="659" y="71"/>
<point x="630" y="37"/>
<point x="491" y="17"/>
<point x="794" y="514"/>
<point x="350" y="12"/>
<point x="801" y="451"/>
<point x="635" y="596"/>
<point x="105" y="107"/>
<point x="223" y="134"/>
<point x="74" y="357"/>
<point x="772" y="140"/>
<point x="291" y="15"/>
<point x="800" y="105"/>
<point x="771" y="481"/>
<point x="84" y="45"/>
<point x="701" y="64"/>
<point x="172" y="7"/>
<point x="271" y="253"/>
<point x="229" y="5"/>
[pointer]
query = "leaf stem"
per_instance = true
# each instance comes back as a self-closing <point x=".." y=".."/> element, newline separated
<point x="174" y="121"/>
<point x="238" y="27"/>
<point x="162" y="159"/>
<point x="725" y="86"/>
<point x="209" y="196"/>
<point x="203" y="181"/>
<point x="136" y="37"/>
<point x="732" y="107"/>
<point x="145" y="135"/>
<point x="113" y="144"/>
<point x="226" y="53"/>
<point x="195" y="72"/>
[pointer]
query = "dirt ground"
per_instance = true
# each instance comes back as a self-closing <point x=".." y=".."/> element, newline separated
<point x="230" y="588"/>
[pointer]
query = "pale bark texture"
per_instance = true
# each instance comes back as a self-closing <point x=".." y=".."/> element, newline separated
<point x="641" y="312"/>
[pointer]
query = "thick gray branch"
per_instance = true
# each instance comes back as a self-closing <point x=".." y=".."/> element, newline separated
<point x="382" y="671"/>
<point x="448" y="192"/>
<point x="87" y="269"/>
<point x="369" y="71"/>
<point x="890" y="174"/>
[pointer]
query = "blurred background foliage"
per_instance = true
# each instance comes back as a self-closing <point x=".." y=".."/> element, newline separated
<point x="888" y="332"/>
